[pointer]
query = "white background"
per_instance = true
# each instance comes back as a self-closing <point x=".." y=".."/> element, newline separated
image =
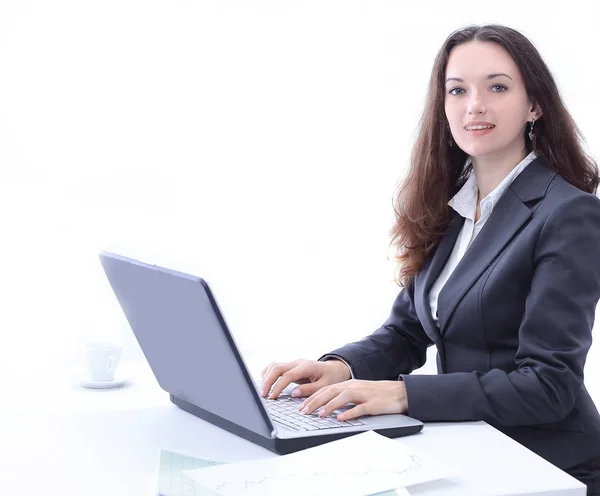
<point x="257" y="144"/>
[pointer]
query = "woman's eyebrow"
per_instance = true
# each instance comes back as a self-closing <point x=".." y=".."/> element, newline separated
<point x="489" y="76"/>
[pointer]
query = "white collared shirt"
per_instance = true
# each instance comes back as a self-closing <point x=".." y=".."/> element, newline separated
<point x="465" y="203"/>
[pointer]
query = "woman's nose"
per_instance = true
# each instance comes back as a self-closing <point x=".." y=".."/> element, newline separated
<point x="476" y="110"/>
<point x="475" y="104"/>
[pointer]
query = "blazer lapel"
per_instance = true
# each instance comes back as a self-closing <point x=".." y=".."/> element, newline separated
<point x="507" y="218"/>
<point x="429" y="273"/>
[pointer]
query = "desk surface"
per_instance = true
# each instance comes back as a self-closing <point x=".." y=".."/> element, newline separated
<point x="59" y="438"/>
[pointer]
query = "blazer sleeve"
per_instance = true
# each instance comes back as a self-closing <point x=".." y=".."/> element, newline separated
<point x="398" y="346"/>
<point x="554" y="336"/>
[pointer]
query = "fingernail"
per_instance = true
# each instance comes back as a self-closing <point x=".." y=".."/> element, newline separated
<point x="296" y="393"/>
<point x="321" y="412"/>
<point x="262" y="392"/>
<point x="305" y="409"/>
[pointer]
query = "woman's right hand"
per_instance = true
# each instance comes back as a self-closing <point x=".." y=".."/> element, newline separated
<point x="310" y="374"/>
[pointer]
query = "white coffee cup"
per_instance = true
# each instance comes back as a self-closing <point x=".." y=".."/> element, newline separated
<point x="101" y="360"/>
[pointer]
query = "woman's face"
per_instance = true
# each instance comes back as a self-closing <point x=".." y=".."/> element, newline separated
<point x="483" y="83"/>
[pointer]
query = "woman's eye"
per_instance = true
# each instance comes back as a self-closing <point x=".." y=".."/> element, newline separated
<point x="503" y="89"/>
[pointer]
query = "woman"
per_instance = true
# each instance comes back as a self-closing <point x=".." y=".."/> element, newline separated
<point x="498" y="237"/>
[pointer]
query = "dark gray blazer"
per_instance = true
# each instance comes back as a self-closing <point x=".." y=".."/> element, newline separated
<point x="515" y="322"/>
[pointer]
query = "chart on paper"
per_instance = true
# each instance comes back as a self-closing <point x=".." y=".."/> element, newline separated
<point x="172" y="482"/>
<point x="328" y="483"/>
<point x="367" y="463"/>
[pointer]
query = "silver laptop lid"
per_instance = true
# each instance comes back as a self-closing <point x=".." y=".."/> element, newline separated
<point x="183" y="335"/>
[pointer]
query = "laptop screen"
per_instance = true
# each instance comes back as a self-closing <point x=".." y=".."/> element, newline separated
<point x="184" y="337"/>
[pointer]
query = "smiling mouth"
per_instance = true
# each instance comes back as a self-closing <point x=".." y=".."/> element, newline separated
<point x="478" y="128"/>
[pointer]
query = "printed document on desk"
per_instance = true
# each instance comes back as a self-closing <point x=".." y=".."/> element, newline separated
<point x="366" y="463"/>
<point x="172" y="481"/>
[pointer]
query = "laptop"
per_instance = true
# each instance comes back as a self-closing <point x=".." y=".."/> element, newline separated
<point x="192" y="354"/>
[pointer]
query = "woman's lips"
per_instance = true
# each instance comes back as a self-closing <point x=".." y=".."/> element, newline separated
<point x="479" y="132"/>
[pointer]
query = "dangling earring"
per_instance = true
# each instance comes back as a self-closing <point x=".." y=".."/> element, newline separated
<point x="531" y="130"/>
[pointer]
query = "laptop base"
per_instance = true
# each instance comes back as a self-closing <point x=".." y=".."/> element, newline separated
<point x="276" y="445"/>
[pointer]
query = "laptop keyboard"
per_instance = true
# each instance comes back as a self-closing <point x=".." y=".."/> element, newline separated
<point x="284" y="410"/>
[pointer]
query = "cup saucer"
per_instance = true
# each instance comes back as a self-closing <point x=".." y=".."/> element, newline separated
<point x="113" y="383"/>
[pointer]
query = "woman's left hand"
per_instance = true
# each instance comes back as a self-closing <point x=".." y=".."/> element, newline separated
<point x="371" y="398"/>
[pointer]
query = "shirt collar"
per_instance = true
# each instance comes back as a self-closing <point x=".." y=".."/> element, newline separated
<point x="465" y="200"/>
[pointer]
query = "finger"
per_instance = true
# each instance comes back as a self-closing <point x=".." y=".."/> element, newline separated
<point x="262" y="374"/>
<point x="338" y="401"/>
<point x="314" y="398"/>
<point x="271" y="375"/>
<point x="295" y="374"/>
<point x="307" y="389"/>
<point x="275" y="373"/>
<point x="354" y="412"/>
<point x="265" y="383"/>
<point x="320" y="398"/>
<point x="323" y="395"/>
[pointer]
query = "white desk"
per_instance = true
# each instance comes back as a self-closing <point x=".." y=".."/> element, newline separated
<point x="63" y="439"/>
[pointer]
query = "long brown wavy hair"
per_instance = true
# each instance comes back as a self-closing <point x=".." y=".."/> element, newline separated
<point x="437" y="171"/>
